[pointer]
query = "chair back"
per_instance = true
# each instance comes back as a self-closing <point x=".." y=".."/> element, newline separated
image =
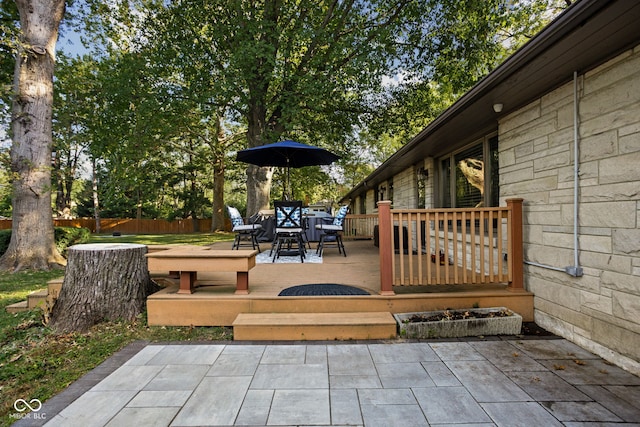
<point x="288" y="214"/>
<point x="339" y="218"/>
<point x="236" y="218"/>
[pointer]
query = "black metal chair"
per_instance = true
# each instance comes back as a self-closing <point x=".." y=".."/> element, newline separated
<point x="332" y="233"/>
<point x="246" y="234"/>
<point x="305" y="227"/>
<point x="288" y="239"/>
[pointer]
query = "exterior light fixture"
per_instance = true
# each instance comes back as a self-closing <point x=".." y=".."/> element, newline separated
<point x="497" y="107"/>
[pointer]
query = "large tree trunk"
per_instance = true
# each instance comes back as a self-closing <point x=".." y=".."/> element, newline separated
<point x="258" y="188"/>
<point x="96" y="200"/>
<point x="32" y="242"/>
<point x="217" y="216"/>
<point x="102" y="282"/>
<point x="258" y="178"/>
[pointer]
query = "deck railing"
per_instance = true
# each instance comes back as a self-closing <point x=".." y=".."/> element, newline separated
<point x="359" y="226"/>
<point x="450" y="246"/>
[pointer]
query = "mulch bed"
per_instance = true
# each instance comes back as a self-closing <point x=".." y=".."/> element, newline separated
<point x="532" y="329"/>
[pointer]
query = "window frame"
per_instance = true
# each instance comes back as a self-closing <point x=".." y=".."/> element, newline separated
<point x="446" y="194"/>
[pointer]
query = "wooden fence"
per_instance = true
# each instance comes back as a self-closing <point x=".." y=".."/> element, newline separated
<point x="131" y="226"/>
<point x="356" y="226"/>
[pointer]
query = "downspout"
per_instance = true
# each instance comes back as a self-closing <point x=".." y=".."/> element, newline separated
<point x="573" y="270"/>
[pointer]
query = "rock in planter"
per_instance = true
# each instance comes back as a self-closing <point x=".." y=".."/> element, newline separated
<point x="489" y="321"/>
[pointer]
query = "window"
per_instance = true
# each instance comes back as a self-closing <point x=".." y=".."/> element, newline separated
<point x="469" y="177"/>
<point x="421" y="186"/>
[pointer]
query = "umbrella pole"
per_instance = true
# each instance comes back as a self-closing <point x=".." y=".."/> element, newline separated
<point x="288" y="195"/>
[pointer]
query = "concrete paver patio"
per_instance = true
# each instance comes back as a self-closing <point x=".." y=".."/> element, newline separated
<point x="504" y="381"/>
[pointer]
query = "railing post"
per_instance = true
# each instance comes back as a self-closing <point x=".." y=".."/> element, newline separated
<point x="386" y="253"/>
<point x="517" y="245"/>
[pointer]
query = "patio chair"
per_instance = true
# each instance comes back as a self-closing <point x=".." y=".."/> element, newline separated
<point x="246" y="234"/>
<point x="288" y="238"/>
<point x="305" y="227"/>
<point x="332" y="233"/>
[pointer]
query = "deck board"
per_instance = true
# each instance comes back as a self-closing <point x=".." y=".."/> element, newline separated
<point x="214" y="304"/>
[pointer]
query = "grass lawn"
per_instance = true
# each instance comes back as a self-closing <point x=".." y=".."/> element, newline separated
<point x="37" y="364"/>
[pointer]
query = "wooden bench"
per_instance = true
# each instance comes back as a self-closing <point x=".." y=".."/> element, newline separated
<point x="157" y="248"/>
<point x="188" y="260"/>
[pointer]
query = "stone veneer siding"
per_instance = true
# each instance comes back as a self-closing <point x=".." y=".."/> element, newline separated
<point x="600" y="311"/>
<point x="405" y="192"/>
<point x="405" y="188"/>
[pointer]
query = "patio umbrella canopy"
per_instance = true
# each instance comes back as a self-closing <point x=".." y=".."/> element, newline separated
<point x="289" y="154"/>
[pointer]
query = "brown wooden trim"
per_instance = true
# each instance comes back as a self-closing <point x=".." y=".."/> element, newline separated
<point x="516" y="258"/>
<point x="385" y="232"/>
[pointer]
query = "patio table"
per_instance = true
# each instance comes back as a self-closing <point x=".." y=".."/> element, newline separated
<point x="269" y="225"/>
<point x="268" y="229"/>
<point x="313" y="235"/>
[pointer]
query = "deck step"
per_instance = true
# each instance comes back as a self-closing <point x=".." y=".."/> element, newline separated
<point x="314" y="326"/>
<point x="54" y="286"/>
<point x="43" y="298"/>
<point x="17" y="307"/>
<point x="37" y="299"/>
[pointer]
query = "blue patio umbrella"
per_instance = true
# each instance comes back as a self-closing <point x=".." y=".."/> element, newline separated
<point x="289" y="154"/>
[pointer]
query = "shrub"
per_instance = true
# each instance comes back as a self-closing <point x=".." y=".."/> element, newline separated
<point x="64" y="237"/>
<point x="5" y="237"/>
<point x="69" y="236"/>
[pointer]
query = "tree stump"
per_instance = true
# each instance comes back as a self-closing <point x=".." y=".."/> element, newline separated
<point x="102" y="282"/>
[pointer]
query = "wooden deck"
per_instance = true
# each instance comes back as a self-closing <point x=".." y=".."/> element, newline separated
<point x="214" y="302"/>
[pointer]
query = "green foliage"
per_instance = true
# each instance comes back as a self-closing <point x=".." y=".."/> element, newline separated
<point x="457" y="44"/>
<point x="165" y="239"/>
<point x="5" y="237"/>
<point x="5" y="191"/>
<point x="69" y="236"/>
<point x="75" y="103"/>
<point x="9" y="19"/>
<point x="287" y="69"/>
<point x="182" y="85"/>
<point x="64" y="237"/>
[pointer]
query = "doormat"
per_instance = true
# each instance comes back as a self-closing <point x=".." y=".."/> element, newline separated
<point x="310" y="258"/>
<point x="321" y="289"/>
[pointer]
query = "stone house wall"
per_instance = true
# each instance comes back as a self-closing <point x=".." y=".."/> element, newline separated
<point x="405" y="193"/>
<point x="429" y="166"/>
<point x="600" y="310"/>
<point x="371" y="203"/>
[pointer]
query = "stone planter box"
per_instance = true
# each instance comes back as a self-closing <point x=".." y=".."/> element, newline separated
<point x="506" y="325"/>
